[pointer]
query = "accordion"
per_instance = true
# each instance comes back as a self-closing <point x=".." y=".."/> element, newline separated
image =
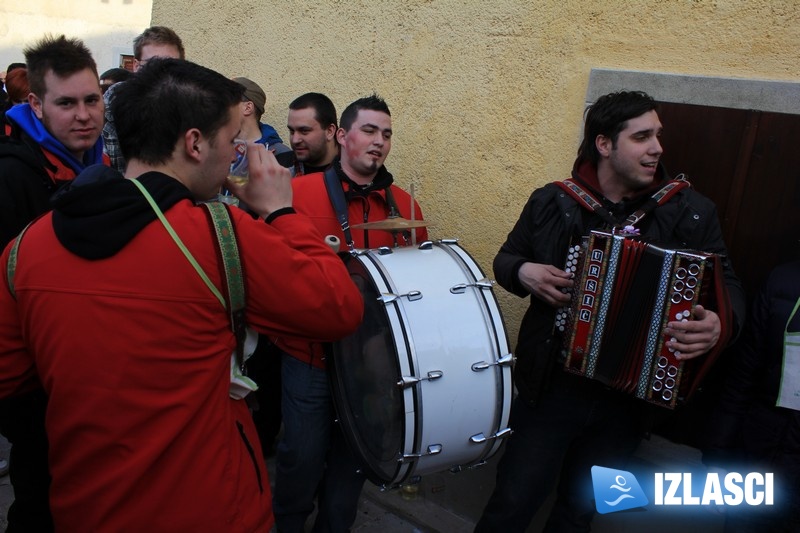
<point x="625" y="293"/>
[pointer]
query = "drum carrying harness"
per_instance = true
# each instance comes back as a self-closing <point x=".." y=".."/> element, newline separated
<point x="336" y="194"/>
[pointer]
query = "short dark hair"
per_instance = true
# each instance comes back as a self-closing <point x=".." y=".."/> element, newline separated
<point x="373" y="103"/>
<point x="608" y="116"/>
<point x="13" y="66"/>
<point x="157" y="35"/>
<point x="116" y="74"/>
<point x="324" y="110"/>
<point x="61" y="55"/>
<point x="166" y="98"/>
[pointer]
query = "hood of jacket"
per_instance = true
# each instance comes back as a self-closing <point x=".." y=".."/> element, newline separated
<point x="100" y="211"/>
<point x="383" y="179"/>
<point x="586" y="175"/>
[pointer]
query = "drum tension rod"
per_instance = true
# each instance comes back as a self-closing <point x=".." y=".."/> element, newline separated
<point x="433" y="449"/>
<point x="480" y="438"/>
<point x="506" y="360"/>
<point x="460" y="468"/>
<point x="484" y="283"/>
<point x="408" y="381"/>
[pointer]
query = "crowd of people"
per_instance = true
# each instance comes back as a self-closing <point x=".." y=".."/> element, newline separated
<point x="119" y="339"/>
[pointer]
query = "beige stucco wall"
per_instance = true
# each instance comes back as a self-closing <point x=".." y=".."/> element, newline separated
<point x="106" y="26"/>
<point x="486" y="96"/>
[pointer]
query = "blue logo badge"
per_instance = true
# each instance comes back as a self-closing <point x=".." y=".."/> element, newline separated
<point x="616" y="490"/>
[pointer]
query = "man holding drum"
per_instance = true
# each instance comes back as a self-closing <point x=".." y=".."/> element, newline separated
<point x="312" y="457"/>
<point x="565" y="424"/>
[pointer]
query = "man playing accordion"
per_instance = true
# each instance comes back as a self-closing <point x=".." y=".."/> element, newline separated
<point x="564" y="424"/>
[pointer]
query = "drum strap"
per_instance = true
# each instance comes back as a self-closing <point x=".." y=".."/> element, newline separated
<point x="339" y="203"/>
<point x="590" y="203"/>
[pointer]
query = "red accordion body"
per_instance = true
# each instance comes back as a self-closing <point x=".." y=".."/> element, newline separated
<point x="625" y="293"/>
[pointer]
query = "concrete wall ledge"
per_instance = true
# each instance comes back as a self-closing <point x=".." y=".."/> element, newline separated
<point x="737" y="93"/>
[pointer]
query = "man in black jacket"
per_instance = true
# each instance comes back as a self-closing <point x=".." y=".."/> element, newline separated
<point x="564" y="424"/>
<point x="54" y="136"/>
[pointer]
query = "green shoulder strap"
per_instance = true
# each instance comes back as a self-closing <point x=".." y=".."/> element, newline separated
<point x="234" y="300"/>
<point x="234" y="277"/>
<point x="11" y="266"/>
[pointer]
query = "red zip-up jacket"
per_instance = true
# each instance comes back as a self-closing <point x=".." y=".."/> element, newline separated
<point x="311" y="199"/>
<point x="134" y="352"/>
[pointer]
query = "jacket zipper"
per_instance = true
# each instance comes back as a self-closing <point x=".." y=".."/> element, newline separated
<point x="252" y="455"/>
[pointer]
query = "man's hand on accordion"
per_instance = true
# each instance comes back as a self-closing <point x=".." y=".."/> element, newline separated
<point x="692" y="338"/>
<point x="546" y="283"/>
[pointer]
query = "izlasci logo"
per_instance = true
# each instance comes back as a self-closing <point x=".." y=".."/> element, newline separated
<point x="616" y="490"/>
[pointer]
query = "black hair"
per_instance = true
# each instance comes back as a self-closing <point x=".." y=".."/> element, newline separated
<point x="373" y="103"/>
<point x="324" y="110"/>
<point x="608" y="116"/>
<point x="61" y="55"/>
<point x="166" y="98"/>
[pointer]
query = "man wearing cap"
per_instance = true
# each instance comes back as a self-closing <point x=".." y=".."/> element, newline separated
<point x="265" y="367"/>
<point x="253" y="129"/>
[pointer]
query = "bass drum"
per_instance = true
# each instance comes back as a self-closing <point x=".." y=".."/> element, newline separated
<point x="424" y="384"/>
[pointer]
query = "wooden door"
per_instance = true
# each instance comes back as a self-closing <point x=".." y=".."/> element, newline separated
<point x="742" y="160"/>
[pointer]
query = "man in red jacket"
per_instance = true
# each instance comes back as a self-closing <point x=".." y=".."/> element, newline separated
<point x="115" y="310"/>
<point x="312" y="458"/>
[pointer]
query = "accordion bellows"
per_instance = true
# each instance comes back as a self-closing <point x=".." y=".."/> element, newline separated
<point x="625" y="292"/>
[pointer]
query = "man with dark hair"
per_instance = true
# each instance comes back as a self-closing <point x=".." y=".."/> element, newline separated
<point x="312" y="133"/>
<point x="156" y="41"/>
<point x="127" y="283"/>
<point x="313" y="457"/>
<point x="564" y="424"/>
<point x="53" y="137"/>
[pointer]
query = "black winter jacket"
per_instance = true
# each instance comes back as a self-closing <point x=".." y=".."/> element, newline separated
<point x="747" y="424"/>
<point x="552" y="219"/>
<point x="25" y="184"/>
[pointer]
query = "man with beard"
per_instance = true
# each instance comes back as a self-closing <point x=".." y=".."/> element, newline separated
<point x="312" y="133"/>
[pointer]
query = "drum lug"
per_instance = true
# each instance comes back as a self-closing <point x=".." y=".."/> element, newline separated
<point x="408" y="381"/>
<point x="426" y="245"/>
<point x="388" y="297"/>
<point x="480" y="438"/>
<point x="448" y="241"/>
<point x="506" y="360"/>
<point x="433" y="449"/>
<point x="484" y="283"/>
<point x="384" y="250"/>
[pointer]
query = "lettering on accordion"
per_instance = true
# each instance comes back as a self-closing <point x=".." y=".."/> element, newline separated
<point x="625" y="292"/>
